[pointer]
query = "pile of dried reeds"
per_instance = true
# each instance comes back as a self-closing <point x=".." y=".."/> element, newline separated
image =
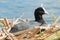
<point x="29" y="34"/>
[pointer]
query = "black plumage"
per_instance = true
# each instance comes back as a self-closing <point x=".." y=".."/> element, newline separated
<point x="38" y="15"/>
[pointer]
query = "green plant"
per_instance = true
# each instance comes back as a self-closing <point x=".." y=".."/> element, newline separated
<point x="1" y="24"/>
<point x="54" y="17"/>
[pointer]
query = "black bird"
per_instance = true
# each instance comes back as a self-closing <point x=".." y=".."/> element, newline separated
<point x="39" y="21"/>
<point x="39" y="12"/>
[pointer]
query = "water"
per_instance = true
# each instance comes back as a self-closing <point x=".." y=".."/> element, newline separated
<point x="15" y="8"/>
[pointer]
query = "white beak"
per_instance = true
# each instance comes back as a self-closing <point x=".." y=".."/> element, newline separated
<point x="44" y="9"/>
<point x="46" y="12"/>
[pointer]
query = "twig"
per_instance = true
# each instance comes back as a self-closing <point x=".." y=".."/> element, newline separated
<point x="6" y="23"/>
<point x="11" y="37"/>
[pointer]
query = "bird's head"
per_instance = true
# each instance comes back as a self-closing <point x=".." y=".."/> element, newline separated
<point x="40" y="11"/>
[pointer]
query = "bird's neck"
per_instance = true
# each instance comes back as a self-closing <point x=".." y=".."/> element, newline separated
<point x="40" y="19"/>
